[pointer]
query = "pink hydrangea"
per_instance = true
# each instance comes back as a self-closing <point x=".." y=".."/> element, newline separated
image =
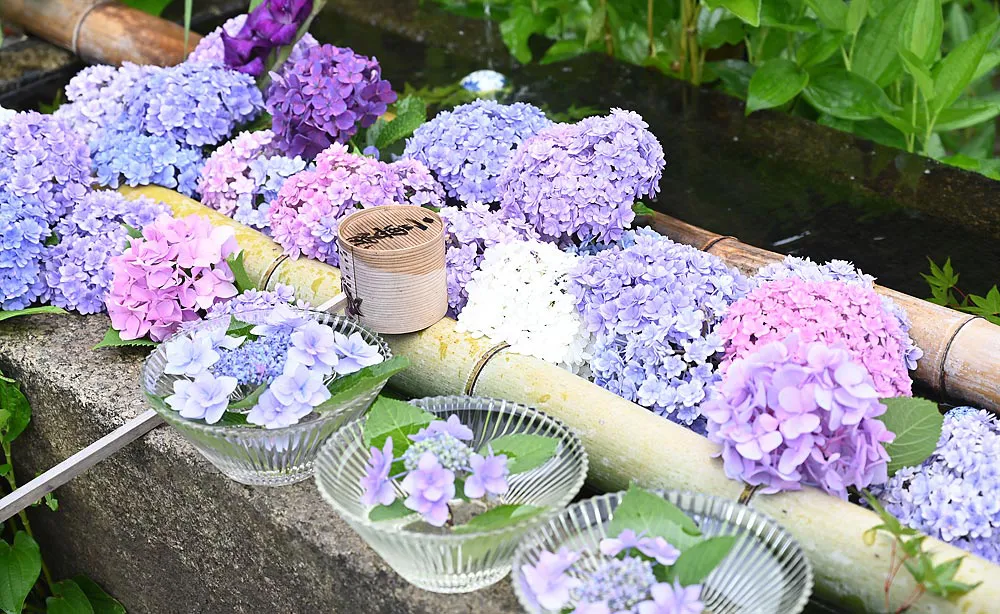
<point x="828" y="311"/>
<point x="792" y="413"/>
<point x="172" y="275"/>
<point x="307" y="212"/>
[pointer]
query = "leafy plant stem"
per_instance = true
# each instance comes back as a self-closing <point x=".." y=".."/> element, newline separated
<point x="913" y="598"/>
<point x="850" y="53"/>
<point x="609" y="43"/>
<point x="913" y="119"/>
<point x="22" y="515"/>
<point x="649" y="27"/>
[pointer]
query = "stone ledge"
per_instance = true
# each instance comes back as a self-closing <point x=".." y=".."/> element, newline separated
<point x="159" y="527"/>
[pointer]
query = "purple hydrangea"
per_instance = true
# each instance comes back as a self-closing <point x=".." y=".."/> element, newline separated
<point x="376" y="484"/>
<point x="271" y="24"/>
<point x="190" y="355"/>
<point x="673" y="599"/>
<point x="547" y="582"/>
<point x="447" y="449"/>
<point x="324" y="98"/>
<point x="23" y="229"/>
<point x="430" y="487"/>
<point x="242" y="178"/>
<point x="203" y="398"/>
<point x="299" y="387"/>
<point x="620" y="584"/>
<point x="788" y="414"/>
<point x="354" y="353"/>
<point x="124" y="157"/>
<point x="272" y="413"/>
<point x="211" y="48"/>
<point x="452" y="426"/>
<point x="578" y="182"/>
<point x="654" y="547"/>
<point x="654" y="306"/>
<point x="258" y="360"/>
<point x="315" y="346"/>
<point x="96" y="96"/>
<point x="488" y="476"/>
<point x="469" y="231"/>
<point x="468" y="147"/>
<point x="75" y="271"/>
<point x="255" y="300"/>
<point x="952" y="496"/>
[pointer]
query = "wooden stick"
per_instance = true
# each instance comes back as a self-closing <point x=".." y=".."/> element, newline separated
<point x="105" y="32"/>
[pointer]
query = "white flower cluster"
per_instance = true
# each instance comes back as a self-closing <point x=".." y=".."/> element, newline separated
<point x="520" y="296"/>
<point x="484" y="81"/>
<point x="6" y="115"/>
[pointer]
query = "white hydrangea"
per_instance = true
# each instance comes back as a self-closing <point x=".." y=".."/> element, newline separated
<point x="520" y="295"/>
<point x="484" y="81"/>
<point x="6" y="115"/>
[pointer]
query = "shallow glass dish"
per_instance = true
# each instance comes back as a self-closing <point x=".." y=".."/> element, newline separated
<point x="765" y="573"/>
<point x="436" y="559"/>
<point x="254" y="455"/>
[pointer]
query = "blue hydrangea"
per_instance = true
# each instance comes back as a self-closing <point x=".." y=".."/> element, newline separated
<point x="620" y="583"/>
<point x="654" y="307"/>
<point x="255" y="300"/>
<point x="468" y="147"/>
<point x="484" y="82"/>
<point x="450" y="452"/>
<point x="133" y="158"/>
<point x="23" y="229"/>
<point x="952" y="495"/>
<point x="75" y="273"/>
<point x="96" y="96"/>
<point x="258" y="360"/>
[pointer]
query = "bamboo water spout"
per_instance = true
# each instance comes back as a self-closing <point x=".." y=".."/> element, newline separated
<point x="625" y="442"/>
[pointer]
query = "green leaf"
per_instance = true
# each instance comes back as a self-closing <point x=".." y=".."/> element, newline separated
<point x="51" y="501"/>
<point x="29" y="311"/>
<point x="248" y="401"/>
<point x="411" y="113"/>
<point x="818" y="48"/>
<point x="518" y="28"/>
<point x="695" y="563"/>
<point x="716" y="28"/>
<point x="230" y="418"/>
<point x="991" y="59"/>
<point x="642" y="510"/>
<point x="132" y="231"/>
<point x="920" y="73"/>
<point x="846" y="95"/>
<point x="239" y="328"/>
<point x="747" y="10"/>
<point x="963" y="114"/>
<point x="153" y="7"/>
<point x="956" y="70"/>
<point x="917" y="425"/>
<point x="988" y="305"/>
<point x="831" y="13"/>
<point x="16" y="408"/>
<point x="857" y="11"/>
<point x="69" y="598"/>
<point x="876" y="56"/>
<point x="394" y="511"/>
<point x="20" y="565"/>
<point x="735" y="76"/>
<point x="498" y="517"/>
<point x="776" y="82"/>
<point x="242" y="278"/>
<point x="595" y="27"/>
<point x="923" y="29"/>
<point x="254" y="4"/>
<point x="348" y="387"/>
<point x="102" y="602"/>
<point x="640" y="209"/>
<point x="959" y="24"/>
<point x="113" y="339"/>
<point x="524" y="452"/>
<point x="563" y="50"/>
<point x="396" y="419"/>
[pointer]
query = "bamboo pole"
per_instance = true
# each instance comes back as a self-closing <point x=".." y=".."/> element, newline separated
<point x="101" y="31"/>
<point x="626" y="442"/>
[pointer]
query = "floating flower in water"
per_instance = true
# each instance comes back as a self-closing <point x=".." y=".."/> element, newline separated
<point x="578" y="182"/>
<point x="791" y="413"/>
<point x="952" y="496"/>
<point x="468" y="147"/>
<point x="306" y="214"/>
<point x="75" y="269"/>
<point x="829" y="311"/>
<point x="655" y="307"/>
<point x="324" y="98"/>
<point x="484" y="82"/>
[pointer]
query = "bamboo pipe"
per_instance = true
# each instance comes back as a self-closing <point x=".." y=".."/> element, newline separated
<point x="626" y="442"/>
<point x="102" y="31"/>
<point x="961" y="351"/>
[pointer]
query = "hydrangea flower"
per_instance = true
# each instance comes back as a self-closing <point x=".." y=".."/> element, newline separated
<point x="452" y="426"/>
<point x="23" y="229"/>
<point x="469" y="231"/>
<point x="468" y="147"/>
<point x="271" y="24"/>
<point x="673" y="599"/>
<point x="576" y="182"/>
<point x="126" y="157"/>
<point x="376" y="484"/>
<point x="844" y="271"/>
<point x="6" y="115"/>
<point x="655" y="307"/>
<point x="203" y="398"/>
<point x="520" y="296"/>
<point x="654" y="547"/>
<point x="176" y="271"/>
<point x="96" y="96"/>
<point x="190" y="356"/>
<point x="324" y="98"/>
<point x="242" y="178"/>
<point x="430" y="487"/>
<point x="952" y="496"/>
<point x="791" y="413"/>
<point x="354" y="353"/>
<point x="306" y="214"/>
<point x="829" y="311"/>
<point x="483" y="81"/>
<point x="76" y="269"/>
<point x="446" y="448"/>
<point x="255" y="300"/>
<point x="547" y="581"/>
<point x="257" y="361"/>
<point x="488" y="476"/>
<point x="620" y="584"/>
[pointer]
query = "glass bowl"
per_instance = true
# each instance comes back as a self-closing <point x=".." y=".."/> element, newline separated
<point x="254" y="455"/>
<point x="436" y="559"/>
<point x="766" y="571"/>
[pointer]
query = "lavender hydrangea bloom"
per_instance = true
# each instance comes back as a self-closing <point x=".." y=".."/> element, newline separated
<point x="952" y="495"/>
<point x="378" y="489"/>
<point x="204" y="398"/>
<point x="654" y="547"/>
<point x="621" y="584"/>
<point x="190" y="356"/>
<point x="271" y="413"/>
<point x="75" y="271"/>
<point x="673" y="599"/>
<point x="23" y="229"/>
<point x="489" y="476"/>
<point x="6" y="115"/>
<point x="96" y="96"/>
<point x="430" y="487"/>
<point x="654" y="308"/>
<point x="251" y="300"/>
<point x="324" y="98"/>
<point x="449" y="451"/>
<point x="313" y="345"/>
<point x="576" y="182"/>
<point x="299" y="386"/>
<point x="547" y="581"/>
<point x="125" y="157"/>
<point x="257" y="361"/>
<point x="355" y="353"/>
<point x="452" y="426"/>
<point x="468" y="147"/>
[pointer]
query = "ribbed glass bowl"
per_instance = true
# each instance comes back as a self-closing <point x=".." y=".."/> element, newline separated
<point x="436" y="559"/>
<point x="254" y="455"/>
<point x="765" y="573"/>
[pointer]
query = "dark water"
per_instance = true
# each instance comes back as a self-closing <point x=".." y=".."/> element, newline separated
<point x="773" y="181"/>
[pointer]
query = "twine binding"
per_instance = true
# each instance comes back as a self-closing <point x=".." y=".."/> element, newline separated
<point x="79" y="23"/>
<point x="473" y="379"/>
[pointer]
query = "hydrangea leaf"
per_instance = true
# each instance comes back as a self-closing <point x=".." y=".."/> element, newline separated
<point x="15" y="409"/>
<point x="776" y="82"/>
<point x="20" y="565"/>
<point x="101" y="601"/>
<point x="411" y="113"/>
<point x="397" y="419"/>
<point x="248" y="401"/>
<point x="68" y="598"/>
<point x="30" y="311"/>
<point x="640" y="209"/>
<point x="231" y="418"/>
<point x="917" y="425"/>
<point x="113" y="339"/>
<point x="645" y="511"/>
<point x="524" y="452"/>
<point x="239" y="328"/>
<point x="132" y="231"/>
<point x="499" y="517"/>
<point x="348" y="387"/>
<point x="240" y="275"/>
<point x="695" y="563"/>
<point x="393" y="511"/>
